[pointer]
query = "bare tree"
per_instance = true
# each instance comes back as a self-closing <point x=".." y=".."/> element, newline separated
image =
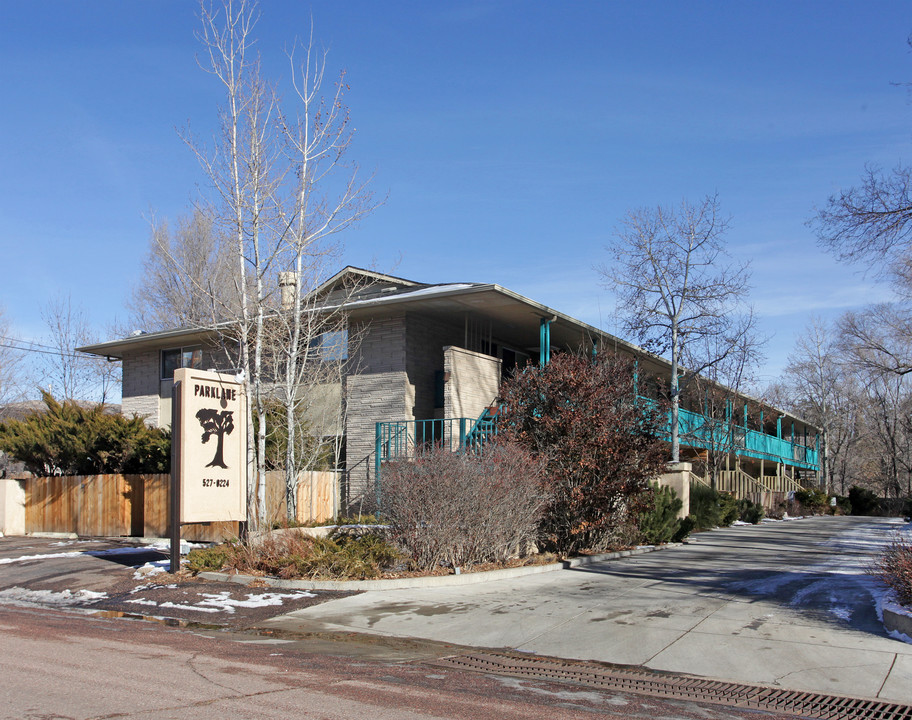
<point x="187" y="278"/>
<point x="872" y="223"/>
<point x="889" y="404"/>
<point x="313" y="346"/>
<point x="677" y="287"/>
<point x="729" y="364"/>
<point x="283" y="190"/>
<point x="818" y="381"/>
<point x="12" y="364"/>
<point x="238" y="171"/>
<point x="878" y="338"/>
<point x="67" y="374"/>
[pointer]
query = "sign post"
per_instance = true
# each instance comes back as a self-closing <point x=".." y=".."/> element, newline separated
<point x="209" y="452"/>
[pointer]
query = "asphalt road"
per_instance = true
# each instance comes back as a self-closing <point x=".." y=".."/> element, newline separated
<point x="787" y="604"/>
<point x="65" y="666"/>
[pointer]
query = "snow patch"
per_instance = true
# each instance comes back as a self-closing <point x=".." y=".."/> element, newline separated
<point x="151" y="568"/>
<point x="190" y="607"/>
<point x="46" y="556"/>
<point x="43" y="598"/>
<point x="223" y="602"/>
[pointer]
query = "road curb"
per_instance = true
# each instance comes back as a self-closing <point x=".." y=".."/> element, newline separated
<point x="432" y="581"/>
<point x="897" y="621"/>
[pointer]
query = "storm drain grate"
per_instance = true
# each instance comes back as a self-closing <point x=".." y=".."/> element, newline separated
<point x="680" y="687"/>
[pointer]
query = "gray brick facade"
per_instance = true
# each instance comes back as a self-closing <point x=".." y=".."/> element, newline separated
<point x="141" y="372"/>
<point x="396" y="363"/>
<point x="473" y="382"/>
<point x="145" y="392"/>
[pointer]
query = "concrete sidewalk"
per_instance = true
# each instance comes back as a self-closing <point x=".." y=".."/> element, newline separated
<point x="785" y="604"/>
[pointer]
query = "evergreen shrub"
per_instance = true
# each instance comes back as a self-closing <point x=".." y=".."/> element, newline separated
<point x="660" y="522"/>
<point x="70" y="439"/>
<point x="863" y="501"/>
<point x="705" y="507"/>
<point x="729" y="510"/>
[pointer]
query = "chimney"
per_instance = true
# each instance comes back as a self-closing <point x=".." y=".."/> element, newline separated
<point x="287" y="282"/>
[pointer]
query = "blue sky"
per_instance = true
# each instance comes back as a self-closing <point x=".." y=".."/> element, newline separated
<point x="511" y="137"/>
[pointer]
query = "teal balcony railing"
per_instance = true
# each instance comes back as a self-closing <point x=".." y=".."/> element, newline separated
<point x="403" y="439"/>
<point x="700" y="432"/>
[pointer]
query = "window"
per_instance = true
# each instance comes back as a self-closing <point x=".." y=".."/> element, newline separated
<point x="186" y="357"/>
<point x="332" y="345"/>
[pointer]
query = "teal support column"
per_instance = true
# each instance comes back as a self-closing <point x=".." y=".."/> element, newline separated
<point x="779" y="427"/>
<point x="378" y="448"/>
<point x="462" y="434"/>
<point x="544" y="342"/>
<point x="745" y="416"/>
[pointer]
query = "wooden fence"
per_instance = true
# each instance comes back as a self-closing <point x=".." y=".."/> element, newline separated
<point x="137" y="505"/>
<point x="318" y="496"/>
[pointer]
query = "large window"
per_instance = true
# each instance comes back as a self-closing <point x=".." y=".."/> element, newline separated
<point x="183" y="357"/>
<point x="332" y="345"/>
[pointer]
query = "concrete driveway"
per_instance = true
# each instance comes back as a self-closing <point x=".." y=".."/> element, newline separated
<point x="785" y="604"/>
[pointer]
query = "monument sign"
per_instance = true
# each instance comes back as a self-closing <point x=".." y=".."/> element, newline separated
<point x="210" y="433"/>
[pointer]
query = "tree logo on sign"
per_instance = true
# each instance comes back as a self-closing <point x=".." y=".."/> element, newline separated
<point x="219" y="424"/>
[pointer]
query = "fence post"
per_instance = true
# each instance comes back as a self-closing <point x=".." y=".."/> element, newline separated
<point x="462" y="434"/>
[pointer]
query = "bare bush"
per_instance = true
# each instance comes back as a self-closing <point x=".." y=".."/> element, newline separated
<point x="894" y="567"/>
<point x="462" y="509"/>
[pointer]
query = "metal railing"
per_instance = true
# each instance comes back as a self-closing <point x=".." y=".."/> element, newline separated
<point x="407" y="439"/>
<point x="698" y="431"/>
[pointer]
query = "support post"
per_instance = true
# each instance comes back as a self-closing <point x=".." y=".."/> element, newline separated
<point x="175" y="477"/>
<point x="544" y="350"/>
<point x="378" y="447"/>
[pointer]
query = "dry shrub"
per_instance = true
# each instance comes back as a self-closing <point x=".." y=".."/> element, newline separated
<point x="463" y="509"/>
<point x="894" y="567"/>
<point x="601" y="447"/>
<point x="292" y="554"/>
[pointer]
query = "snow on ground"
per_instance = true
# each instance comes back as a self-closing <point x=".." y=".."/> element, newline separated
<point x="223" y="602"/>
<point x="43" y="598"/>
<point x="853" y="553"/>
<point x="156" y="545"/>
<point x="46" y="556"/>
<point x="151" y="568"/>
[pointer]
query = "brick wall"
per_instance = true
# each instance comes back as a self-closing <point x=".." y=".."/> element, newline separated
<point x="145" y="393"/>
<point x="376" y="391"/>
<point x="141" y="384"/>
<point x="426" y="339"/>
<point x="473" y="384"/>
